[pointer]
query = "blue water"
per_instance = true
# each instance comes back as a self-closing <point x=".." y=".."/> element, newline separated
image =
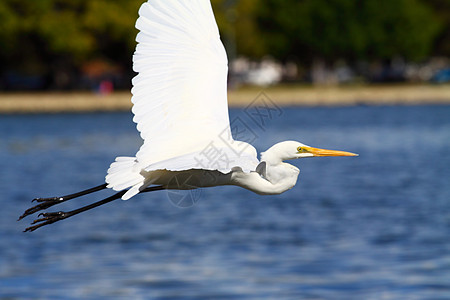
<point x="372" y="227"/>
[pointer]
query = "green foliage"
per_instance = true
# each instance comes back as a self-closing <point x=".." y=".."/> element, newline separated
<point x="352" y="29"/>
<point x="238" y="24"/>
<point x="441" y="11"/>
<point x="8" y="28"/>
<point x="38" y="35"/>
<point x="44" y="31"/>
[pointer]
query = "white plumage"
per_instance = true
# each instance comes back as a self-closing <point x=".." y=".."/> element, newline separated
<point x="179" y="95"/>
<point x="180" y="107"/>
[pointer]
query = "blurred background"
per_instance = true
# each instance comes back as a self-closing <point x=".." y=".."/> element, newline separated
<point x="375" y="226"/>
<point x="88" y="45"/>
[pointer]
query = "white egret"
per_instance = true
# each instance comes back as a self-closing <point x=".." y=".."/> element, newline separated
<point x="180" y="107"/>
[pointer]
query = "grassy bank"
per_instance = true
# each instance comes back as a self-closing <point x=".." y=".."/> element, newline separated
<point x="281" y="95"/>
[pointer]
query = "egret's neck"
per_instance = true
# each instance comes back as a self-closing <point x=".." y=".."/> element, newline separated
<point x="282" y="176"/>
<point x="276" y="154"/>
<point x="271" y="157"/>
<point x="278" y="179"/>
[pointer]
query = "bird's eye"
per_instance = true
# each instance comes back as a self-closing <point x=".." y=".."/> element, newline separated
<point x="302" y="150"/>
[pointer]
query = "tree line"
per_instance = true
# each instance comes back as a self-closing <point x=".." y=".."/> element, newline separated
<point x="55" y="38"/>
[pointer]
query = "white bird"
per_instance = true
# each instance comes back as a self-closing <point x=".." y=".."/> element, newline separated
<point x="180" y="107"/>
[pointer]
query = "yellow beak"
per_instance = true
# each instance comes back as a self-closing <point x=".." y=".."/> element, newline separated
<point x="325" y="152"/>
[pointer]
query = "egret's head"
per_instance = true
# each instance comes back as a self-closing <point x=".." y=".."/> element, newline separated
<point x="291" y="150"/>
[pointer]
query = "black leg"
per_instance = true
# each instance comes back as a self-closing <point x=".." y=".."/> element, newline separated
<point x="153" y="188"/>
<point x="52" y="217"/>
<point x="49" y="218"/>
<point x="45" y="203"/>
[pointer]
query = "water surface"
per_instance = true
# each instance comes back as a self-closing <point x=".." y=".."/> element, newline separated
<point x="372" y="227"/>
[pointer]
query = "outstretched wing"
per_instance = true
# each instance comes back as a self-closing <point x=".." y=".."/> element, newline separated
<point x="179" y="96"/>
<point x="180" y="93"/>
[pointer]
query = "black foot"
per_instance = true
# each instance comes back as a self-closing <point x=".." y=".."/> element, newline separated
<point x="44" y="203"/>
<point x="47" y="218"/>
<point x="48" y="202"/>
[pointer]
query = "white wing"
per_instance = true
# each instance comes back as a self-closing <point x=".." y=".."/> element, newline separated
<point x="180" y="92"/>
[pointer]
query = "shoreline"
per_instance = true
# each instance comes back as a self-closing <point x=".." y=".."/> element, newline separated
<point x="284" y="95"/>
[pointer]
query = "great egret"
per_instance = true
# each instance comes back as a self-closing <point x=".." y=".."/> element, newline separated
<point x="180" y="107"/>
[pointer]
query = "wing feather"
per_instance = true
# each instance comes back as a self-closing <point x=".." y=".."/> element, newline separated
<point x="180" y="93"/>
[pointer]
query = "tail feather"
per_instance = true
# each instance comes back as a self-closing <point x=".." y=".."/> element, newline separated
<point x="123" y="174"/>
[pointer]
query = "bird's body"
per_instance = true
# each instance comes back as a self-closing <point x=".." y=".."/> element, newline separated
<point x="180" y="107"/>
<point x="179" y="96"/>
<point x="274" y="179"/>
